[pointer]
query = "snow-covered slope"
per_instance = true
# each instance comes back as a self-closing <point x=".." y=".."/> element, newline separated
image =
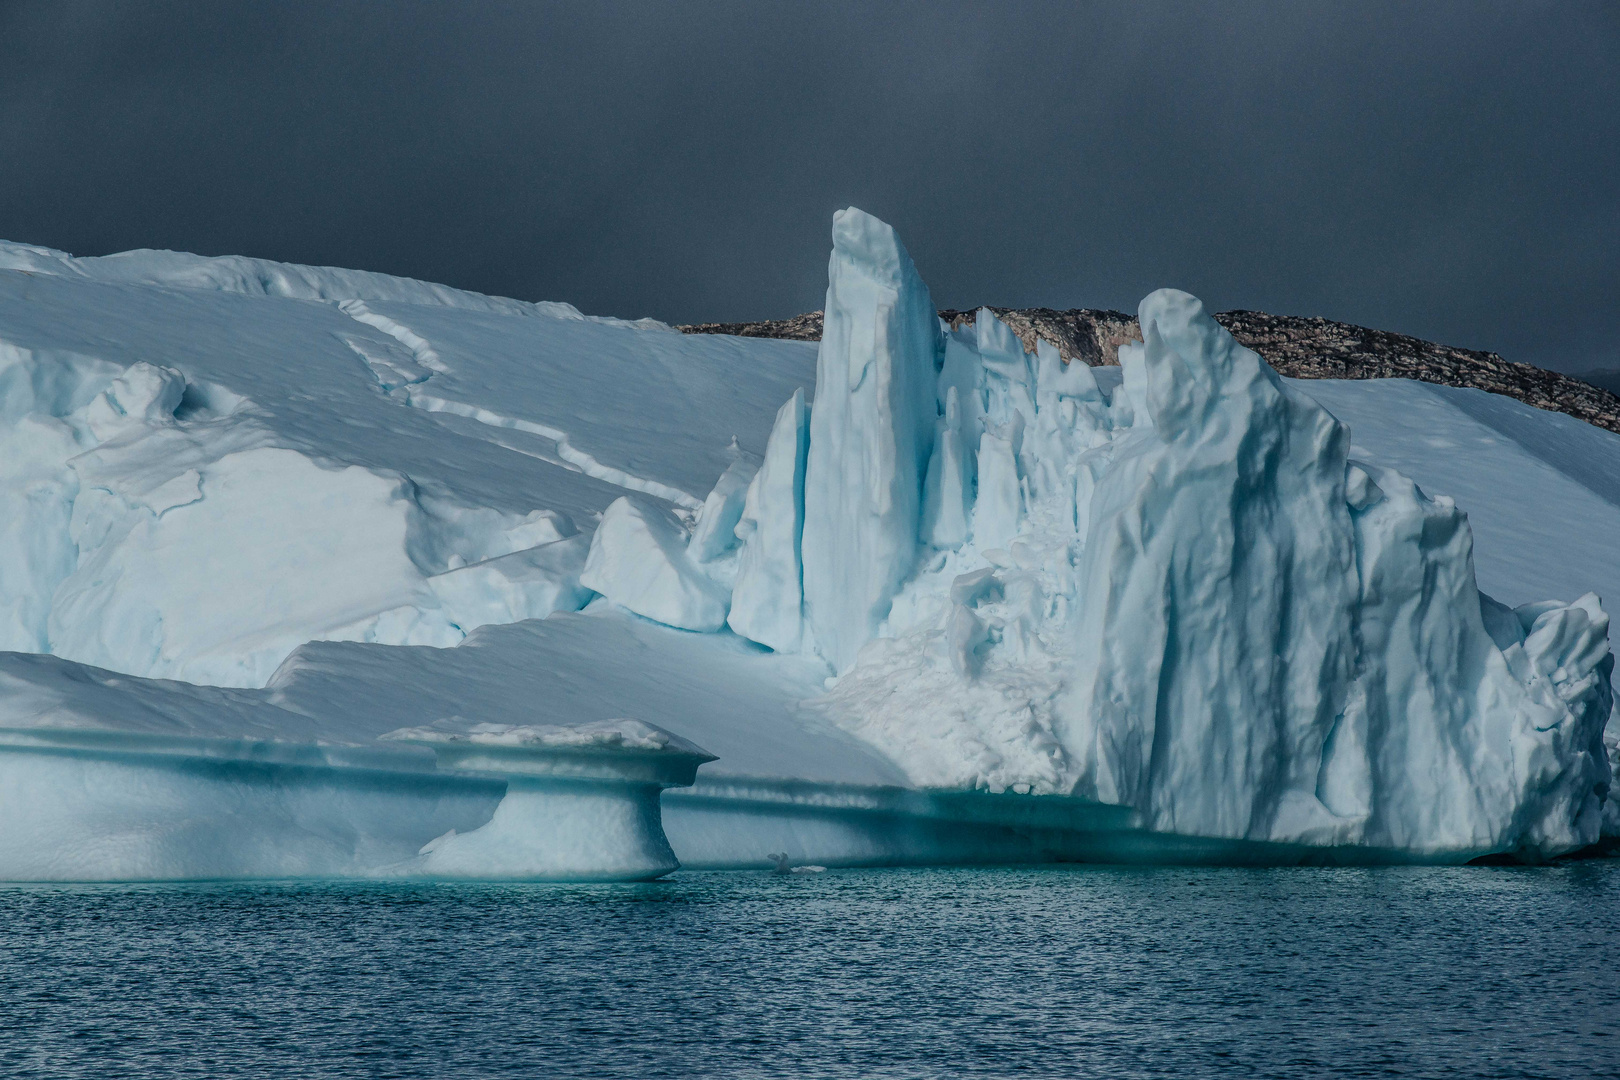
<point x="253" y="517"/>
<point x="205" y="463"/>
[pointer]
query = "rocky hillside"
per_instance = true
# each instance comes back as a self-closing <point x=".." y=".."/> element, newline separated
<point x="1303" y="348"/>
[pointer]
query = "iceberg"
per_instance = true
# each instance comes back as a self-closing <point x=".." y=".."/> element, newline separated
<point x="308" y="571"/>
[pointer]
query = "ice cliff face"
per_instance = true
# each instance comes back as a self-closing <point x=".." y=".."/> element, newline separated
<point x="1277" y="643"/>
<point x="1178" y="593"/>
<point x="1216" y="589"/>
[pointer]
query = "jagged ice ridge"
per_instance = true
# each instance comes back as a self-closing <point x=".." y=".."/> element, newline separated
<point x="1189" y="600"/>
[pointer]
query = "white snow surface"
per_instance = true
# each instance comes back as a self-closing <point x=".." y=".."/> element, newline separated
<point x="207" y="462"/>
<point x="728" y="696"/>
<point x="283" y="511"/>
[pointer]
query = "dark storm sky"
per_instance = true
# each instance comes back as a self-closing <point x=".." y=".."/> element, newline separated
<point x="1446" y="170"/>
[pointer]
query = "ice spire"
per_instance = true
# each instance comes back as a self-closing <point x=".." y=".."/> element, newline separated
<point x="871" y="432"/>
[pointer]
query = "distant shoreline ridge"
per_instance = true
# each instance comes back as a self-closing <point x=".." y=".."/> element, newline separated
<point x="1297" y="346"/>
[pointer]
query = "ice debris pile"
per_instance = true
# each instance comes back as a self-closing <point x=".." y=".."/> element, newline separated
<point x="1177" y="593"/>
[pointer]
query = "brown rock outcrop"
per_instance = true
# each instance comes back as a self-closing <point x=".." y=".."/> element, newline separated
<point x="1301" y="348"/>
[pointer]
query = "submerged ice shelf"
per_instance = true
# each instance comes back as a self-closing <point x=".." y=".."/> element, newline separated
<point x="292" y="563"/>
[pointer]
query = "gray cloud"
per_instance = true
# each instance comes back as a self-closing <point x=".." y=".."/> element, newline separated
<point x="1446" y="170"/>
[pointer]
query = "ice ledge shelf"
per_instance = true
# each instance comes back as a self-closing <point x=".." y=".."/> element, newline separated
<point x="627" y="751"/>
<point x="486" y="802"/>
<point x="501" y="803"/>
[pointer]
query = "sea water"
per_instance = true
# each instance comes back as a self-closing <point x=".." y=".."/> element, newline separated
<point x="1057" y="972"/>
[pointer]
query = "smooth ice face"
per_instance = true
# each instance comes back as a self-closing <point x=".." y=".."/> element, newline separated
<point x="715" y="533"/>
<point x="767" y="599"/>
<point x="639" y="560"/>
<point x="948" y="487"/>
<point x="316" y="551"/>
<point x="132" y="814"/>
<point x="135" y="603"/>
<point x="871" y="432"/>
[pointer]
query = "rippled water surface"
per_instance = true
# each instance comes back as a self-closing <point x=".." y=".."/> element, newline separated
<point x="874" y="973"/>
